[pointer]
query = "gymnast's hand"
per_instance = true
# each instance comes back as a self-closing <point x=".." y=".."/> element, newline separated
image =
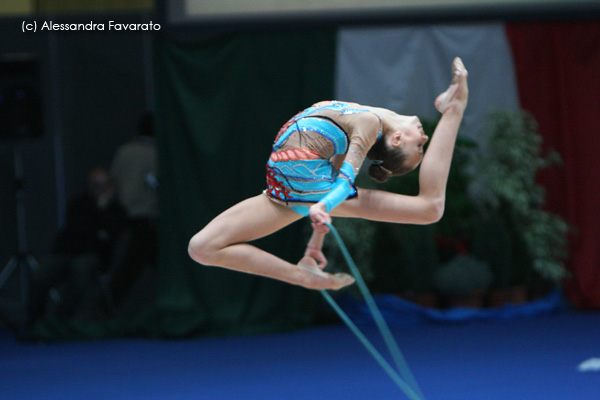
<point x="319" y="218"/>
<point x="314" y="256"/>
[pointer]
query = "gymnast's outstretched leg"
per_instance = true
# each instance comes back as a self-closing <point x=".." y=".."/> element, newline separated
<point x="223" y="243"/>
<point x="428" y="206"/>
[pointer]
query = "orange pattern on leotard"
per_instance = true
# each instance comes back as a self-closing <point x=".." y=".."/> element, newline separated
<point x="295" y="155"/>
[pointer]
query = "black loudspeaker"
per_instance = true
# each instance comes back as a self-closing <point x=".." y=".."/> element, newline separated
<point x="21" y="113"/>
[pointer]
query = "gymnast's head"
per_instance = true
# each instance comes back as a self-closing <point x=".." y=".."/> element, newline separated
<point x="398" y="151"/>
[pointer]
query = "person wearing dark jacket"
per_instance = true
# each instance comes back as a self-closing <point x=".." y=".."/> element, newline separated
<point x="67" y="282"/>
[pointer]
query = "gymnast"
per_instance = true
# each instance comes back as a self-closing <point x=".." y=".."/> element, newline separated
<point x="311" y="172"/>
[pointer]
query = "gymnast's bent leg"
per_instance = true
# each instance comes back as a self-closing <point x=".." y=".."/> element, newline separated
<point x="223" y="243"/>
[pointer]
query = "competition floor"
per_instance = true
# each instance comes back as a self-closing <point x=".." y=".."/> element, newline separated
<point x="525" y="358"/>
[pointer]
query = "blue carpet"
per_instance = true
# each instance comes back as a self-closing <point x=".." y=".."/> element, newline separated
<point x="527" y="358"/>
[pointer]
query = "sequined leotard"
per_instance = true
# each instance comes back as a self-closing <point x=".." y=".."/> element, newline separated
<point x="299" y="170"/>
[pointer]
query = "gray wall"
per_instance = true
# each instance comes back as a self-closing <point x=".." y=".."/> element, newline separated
<point x="95" y="86"/>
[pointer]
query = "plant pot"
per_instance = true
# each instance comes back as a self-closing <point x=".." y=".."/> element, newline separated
<point x="429" y="300"/>
<point x="474" y="299"/>
<point x="509" y="295"/>
<point x="538" y="290"/>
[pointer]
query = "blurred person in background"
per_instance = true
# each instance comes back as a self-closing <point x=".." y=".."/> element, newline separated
<point x="134" y="169"/>
<point x="67" y="281"/>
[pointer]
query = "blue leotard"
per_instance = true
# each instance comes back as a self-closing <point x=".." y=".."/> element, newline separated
<point x="299" y="171"/>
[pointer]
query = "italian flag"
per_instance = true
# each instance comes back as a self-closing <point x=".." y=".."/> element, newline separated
<point x="551" y="70"/>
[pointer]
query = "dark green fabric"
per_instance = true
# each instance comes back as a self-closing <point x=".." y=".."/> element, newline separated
<point x="220" y="102"/>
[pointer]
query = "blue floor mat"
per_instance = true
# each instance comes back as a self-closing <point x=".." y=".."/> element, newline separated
<point x="534" y="358"/>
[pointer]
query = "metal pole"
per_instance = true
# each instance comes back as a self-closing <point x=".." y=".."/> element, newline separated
<point x="56" y="130"/>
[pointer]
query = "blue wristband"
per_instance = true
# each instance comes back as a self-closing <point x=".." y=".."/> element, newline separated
<point x="348" y="170"/>
<point x="342" y="187"/>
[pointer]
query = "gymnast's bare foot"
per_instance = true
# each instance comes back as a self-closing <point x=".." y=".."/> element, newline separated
<point x="312" y="277"/>
<point x="458" y="91"/>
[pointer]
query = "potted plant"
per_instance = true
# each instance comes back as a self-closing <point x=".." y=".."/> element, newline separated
<point x="494" y="224"/>
<point x="521" y="241"/>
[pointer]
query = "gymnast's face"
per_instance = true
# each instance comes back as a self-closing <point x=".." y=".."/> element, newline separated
<point x="411" y="140"/>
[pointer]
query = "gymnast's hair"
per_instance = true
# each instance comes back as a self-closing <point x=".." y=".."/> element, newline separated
<point x="387" y="161"/>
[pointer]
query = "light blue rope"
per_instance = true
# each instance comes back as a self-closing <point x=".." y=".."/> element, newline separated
<point x="376" y="354"/>
<point x="380" y="322"/>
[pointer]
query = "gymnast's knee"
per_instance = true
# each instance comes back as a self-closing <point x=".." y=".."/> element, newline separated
<point x="202" y="250"/>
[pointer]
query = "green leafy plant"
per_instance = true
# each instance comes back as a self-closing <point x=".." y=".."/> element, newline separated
<point x="504" y="182"/>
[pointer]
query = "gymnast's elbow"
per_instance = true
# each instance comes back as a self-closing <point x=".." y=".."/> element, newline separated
<point x="433" y="211"/>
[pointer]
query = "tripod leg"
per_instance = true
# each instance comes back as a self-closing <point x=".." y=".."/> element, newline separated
<point x="15" y="313"/>
<point x="30" y="264"/>
<point x="12" y="264"/>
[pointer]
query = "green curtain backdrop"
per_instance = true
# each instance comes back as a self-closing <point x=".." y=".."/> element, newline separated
<point x="220" y="102"/>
